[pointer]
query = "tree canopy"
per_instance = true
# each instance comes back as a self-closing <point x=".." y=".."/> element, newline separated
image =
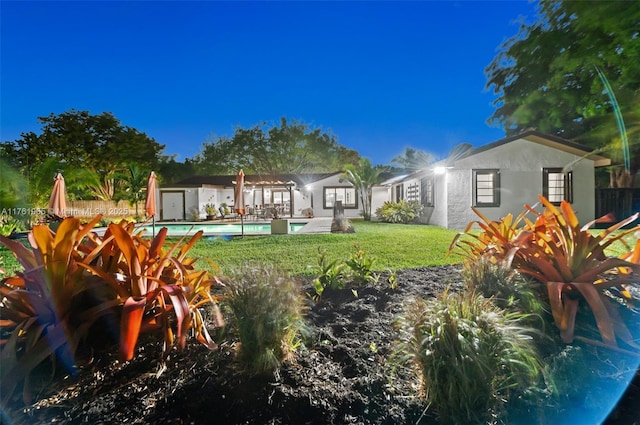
<point x="546" y="77"/>
<point x="98" y="144"/>
<point x="288" y="148"/>
<point x="79" y="138"/>
<point x="413" y="159"/>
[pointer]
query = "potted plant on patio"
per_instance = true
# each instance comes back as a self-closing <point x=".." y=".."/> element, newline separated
<point x="224" y="209"/>
<point x="210" y="211"/>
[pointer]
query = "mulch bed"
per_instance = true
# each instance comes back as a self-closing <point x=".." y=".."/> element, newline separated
<point x="343" y="376"/>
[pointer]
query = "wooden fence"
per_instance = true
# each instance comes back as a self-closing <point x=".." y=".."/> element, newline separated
<point x="620" y="202"/>
<point x="109" y="209"/>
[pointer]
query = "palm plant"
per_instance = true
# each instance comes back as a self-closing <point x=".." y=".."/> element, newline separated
<point x="77" y="180"/>
<point x="363" y="178"/>
<point x="413" y="159"/>
<point x="12" y="187"/>
<point x="133" y="184"/>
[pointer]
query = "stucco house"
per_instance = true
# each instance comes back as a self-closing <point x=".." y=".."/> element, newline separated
<point x="500" y="178"/>
<point x="294" y="195"/>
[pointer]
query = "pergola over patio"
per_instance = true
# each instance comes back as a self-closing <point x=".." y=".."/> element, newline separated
<point x="271" y="192"/>
<point x="264" y="194"/>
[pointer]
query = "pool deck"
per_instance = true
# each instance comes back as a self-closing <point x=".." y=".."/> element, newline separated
<point x="317" y="225"/>
<point x="314" y="225"/>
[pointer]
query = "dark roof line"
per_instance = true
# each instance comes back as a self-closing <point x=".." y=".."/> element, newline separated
<point x="250" y="179"/>
<point x="524" y="134"/>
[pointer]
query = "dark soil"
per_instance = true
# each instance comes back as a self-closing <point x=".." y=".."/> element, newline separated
<point x="342" y="376"/>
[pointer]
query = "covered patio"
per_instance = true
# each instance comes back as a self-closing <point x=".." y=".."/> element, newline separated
<point x="269" y="196"/>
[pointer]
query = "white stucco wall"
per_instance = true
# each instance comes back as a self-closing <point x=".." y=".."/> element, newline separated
<point x="195" y="198"/>
<point x="379" y="195"/>
<point x="520" y="163"/>
<point x="205" y="196"/>
<point x="437" y="215"/>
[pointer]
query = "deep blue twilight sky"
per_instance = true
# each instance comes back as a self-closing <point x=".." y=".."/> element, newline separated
<point x="380" y="76"/>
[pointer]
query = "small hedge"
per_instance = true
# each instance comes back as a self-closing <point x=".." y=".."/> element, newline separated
<point x="399" y="212"/>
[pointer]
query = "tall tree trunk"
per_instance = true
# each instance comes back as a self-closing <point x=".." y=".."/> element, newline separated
<point x="621" y="178"/>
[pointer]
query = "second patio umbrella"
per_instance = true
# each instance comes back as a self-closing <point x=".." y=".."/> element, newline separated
<point x="150" y="203"/>
<point x="58" y="199"/>
<point x="238" y="201"/>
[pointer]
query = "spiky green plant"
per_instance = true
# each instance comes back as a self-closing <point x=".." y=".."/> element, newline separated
<point x="470" y="356"/>
<point x="361" y="266"/>
<point x="268" y="309"/>
<point x="331" y="274"/>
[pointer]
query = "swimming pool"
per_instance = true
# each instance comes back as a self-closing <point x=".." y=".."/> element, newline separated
<point x="179" y="229"/>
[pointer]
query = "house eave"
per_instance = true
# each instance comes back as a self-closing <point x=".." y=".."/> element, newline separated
<point x="549" y="141"/>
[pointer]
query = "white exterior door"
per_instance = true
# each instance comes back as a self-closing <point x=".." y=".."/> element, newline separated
<point x="172" y="205"/>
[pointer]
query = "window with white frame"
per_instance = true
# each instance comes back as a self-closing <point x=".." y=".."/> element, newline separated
<point x="486" y="188"/>
<point x="557" y="185"/>
<point x="345" y="194"/>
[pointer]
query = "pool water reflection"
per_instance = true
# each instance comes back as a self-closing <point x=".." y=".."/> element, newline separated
<point x="179" y="229"/>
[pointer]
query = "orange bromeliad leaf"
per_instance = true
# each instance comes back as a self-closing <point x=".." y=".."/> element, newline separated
<point x="130" y="324"/>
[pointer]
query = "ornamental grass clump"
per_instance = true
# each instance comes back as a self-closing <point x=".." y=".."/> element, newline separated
<point x="470" y="356"/>
<point x="268" y="309"/>
<point x="507" y="288"/>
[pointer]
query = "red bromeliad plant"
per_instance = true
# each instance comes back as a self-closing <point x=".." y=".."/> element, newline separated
<point x="494" y="241"/>
<point x="567" y="258"/>
<point x="44" y="311"/>
<point x="572" y="263"/>
<point x="154" y="287"/>
<point x="73" y="277"/>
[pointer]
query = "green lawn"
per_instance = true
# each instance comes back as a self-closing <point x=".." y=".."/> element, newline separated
<point x="395" y="246"/>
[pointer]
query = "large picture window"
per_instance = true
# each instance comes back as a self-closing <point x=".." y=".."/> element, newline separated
<point x="557" y="185"/>
<point x="345" y="194"/>
<point x="486" y="188"/>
